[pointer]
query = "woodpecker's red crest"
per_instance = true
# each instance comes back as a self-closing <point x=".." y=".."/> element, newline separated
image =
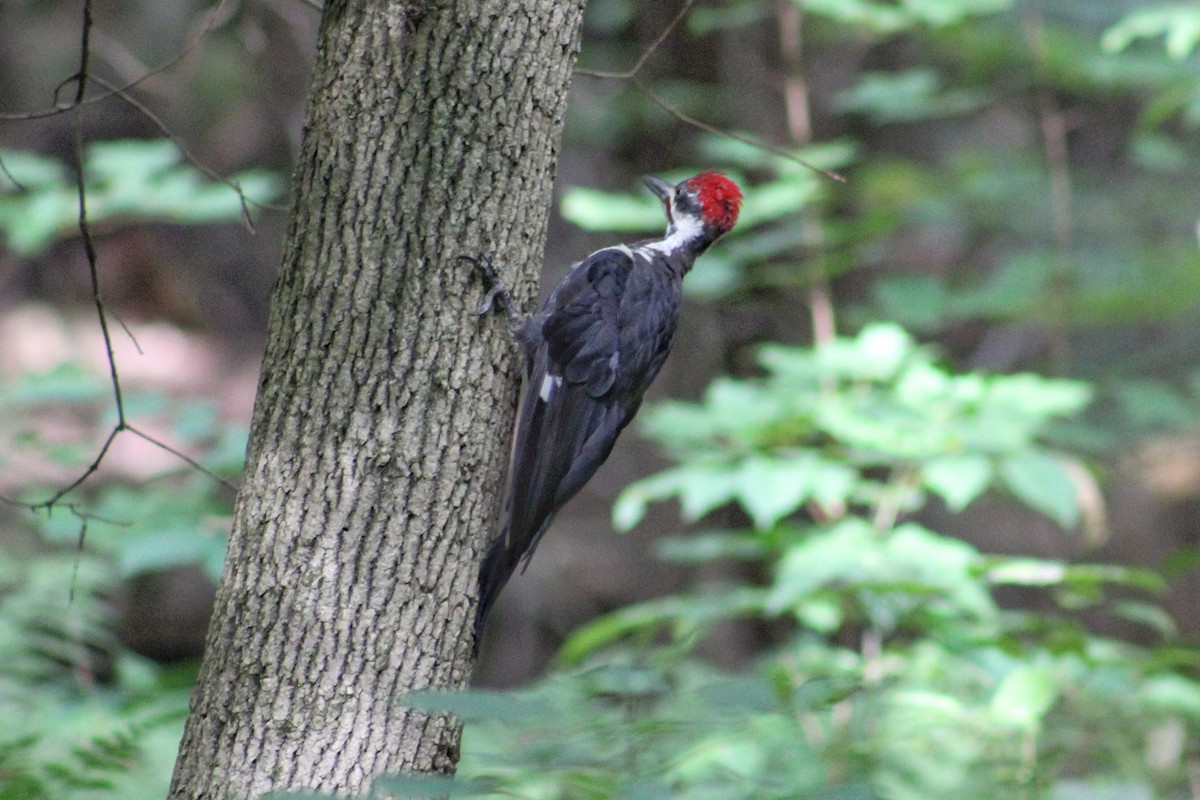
<point x="720" y="199"/>
<point x="700" y="210"/>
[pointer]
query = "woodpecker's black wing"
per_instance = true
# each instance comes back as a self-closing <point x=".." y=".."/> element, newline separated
<point x="593" y="349"/>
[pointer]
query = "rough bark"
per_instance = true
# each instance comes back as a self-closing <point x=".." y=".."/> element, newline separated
<point x="379" y="434"/>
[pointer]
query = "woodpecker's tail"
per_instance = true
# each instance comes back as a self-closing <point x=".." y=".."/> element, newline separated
<point x="499" y="563"/>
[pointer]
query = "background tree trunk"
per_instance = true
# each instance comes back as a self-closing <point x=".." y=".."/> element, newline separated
<point x="378" y="442"/>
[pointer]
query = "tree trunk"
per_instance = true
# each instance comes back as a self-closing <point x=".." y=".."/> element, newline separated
<point x="379" y="437"/>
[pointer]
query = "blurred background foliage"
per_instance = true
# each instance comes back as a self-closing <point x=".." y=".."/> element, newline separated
<point x="920" y="522"/>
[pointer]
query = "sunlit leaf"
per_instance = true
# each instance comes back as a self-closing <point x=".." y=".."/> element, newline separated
<point x="1179" y="24"/>
<point x="845" y="552"/>
<point x="770" y="489"/>
<point x="124" y="179"/>
<point x="957" y="479"/>
<point x="1024" y="696"/>
<point x="1041" y="481"/>
<point x="595" y="210"/>
<point x="907" y="96"/>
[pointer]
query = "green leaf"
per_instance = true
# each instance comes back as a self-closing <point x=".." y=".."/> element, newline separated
<point x="687" y="612"/>
<point x="162" y="548"/>
<point x="63" y="384"/>
<point x="630" y="508"/>
<point x="714" y="276"/>
<point x="906" y="96"/>
<point x="918" y="301"/>
<point x="595" y="210"/>
<point x="1154" y="405"/>
<point x="916" y="556"/>
<point x="1179" y="24"/>
<point x="770" y="489"/>
<point x="1024" y="696"/>
<point x="1102" y="789"/>
<point x="699" y="486"/>
<point x="717" y="756"/>
<point x="845" y="552"/>
<point x="704" y="489"/>
<point x="130" y="179"/>
<point x="1173" y="694"/>
<point x="698" y="548"/>
<point x="1026" y="572"/>
<point x="31" y="170"/>
<point x="878" y="352"/>
<point x="958" y="480"/>
<point x="784" y="197"/>
<point x="887" y="18"/>
<point x="831" y="154"/>
<point x="1154" y="617"/>
<point x="1041" y="481"/>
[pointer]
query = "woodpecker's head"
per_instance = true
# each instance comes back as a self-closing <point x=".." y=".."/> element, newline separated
<point x="700" y="210"/>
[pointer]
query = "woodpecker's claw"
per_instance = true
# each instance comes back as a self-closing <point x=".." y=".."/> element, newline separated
<point x="488" y="303"/>
<point x="484" y="266"/>
<point x="496" y="296"/>
<point x="491" y="282"/>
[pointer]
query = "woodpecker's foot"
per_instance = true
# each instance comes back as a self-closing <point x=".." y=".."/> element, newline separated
<point x="496" y="296"/>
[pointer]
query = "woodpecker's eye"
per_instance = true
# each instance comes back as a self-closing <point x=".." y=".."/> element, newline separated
<point x="685" y="200"/>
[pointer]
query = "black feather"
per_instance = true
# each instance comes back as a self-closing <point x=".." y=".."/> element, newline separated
<point x="593" y="350"/>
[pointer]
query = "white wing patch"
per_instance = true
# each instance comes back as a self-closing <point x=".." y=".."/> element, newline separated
<point x="550" y="385"/>
<point x="620" y="248"/>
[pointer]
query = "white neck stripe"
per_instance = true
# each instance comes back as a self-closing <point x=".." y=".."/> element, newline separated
<point x="687" y="229"/>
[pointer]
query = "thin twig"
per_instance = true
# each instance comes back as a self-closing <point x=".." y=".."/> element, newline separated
<point x="81" y="79"/>
<point x="1057" y="155"/>
<point x="799" y="123"/>
<point x="210" y="22"/>
<point x="128" y="332"/>
<point x="649" y="51"/>
<point x="85" y="231"/>
<point x="83" y="528"/>
<point x="245" y="201"/>
<point x="737" y="137"/>
<point x="89" y="248"/>
<point x="88" y="515"/>
<point x="4" y="170"/>
<point x="52" y="501"/>
<point x="182" y="457"/>
<point x="631" y="75"/>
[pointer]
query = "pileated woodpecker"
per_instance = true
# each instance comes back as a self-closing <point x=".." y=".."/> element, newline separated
<point x="591" y="353"/>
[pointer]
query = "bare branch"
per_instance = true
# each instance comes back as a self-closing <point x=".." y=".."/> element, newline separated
<point x="184" y="457"/>
<point x="80" y="80"/>
<point x="52" y="501"/>
<point x="737" y="137"/>
<point x="213" y="19"/>
<point x="245" y="201"/>
<point x="89" y="248"/>
<point x="631" y="75"/>
<point x="12" y="178"/>
<point x="89" y="245"/>
<point x="83" y="528"/>
<point x="1062" y="218"/>
<point x="128" y="332"/>
<point x="649" y="51"/>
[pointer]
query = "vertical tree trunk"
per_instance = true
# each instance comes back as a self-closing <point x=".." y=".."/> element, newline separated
<point x="378" y="440"/>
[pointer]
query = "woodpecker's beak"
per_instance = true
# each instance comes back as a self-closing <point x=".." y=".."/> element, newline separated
<point x="660" y="187"/>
